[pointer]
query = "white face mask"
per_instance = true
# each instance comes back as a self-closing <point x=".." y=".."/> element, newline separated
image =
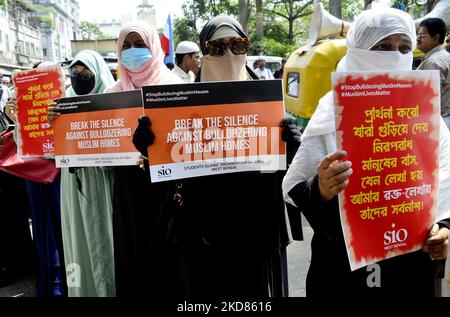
<point x="365" y="60"/>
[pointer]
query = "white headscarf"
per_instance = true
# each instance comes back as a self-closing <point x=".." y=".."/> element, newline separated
<point x="319" y="138"/>
<point x="369" y="28"/>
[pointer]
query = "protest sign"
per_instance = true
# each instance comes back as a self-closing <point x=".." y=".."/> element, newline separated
<point x="97" y="130"/>
<point x="35" y="90"/>
<point x="214" y="128"/>
<point x="389" y="125"/>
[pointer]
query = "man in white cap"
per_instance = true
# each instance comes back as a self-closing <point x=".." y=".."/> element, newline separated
<point x="187" y="56"/>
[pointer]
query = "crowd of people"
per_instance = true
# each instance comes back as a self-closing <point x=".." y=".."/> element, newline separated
<point x="110" y="231"/>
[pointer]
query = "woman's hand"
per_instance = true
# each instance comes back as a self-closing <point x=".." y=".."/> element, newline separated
<point x="143" y="136"/>
<point x="437" y="243"/>
<point x="11" y="109"/>
<point x="290" y="132"/>
<point x="333" y="174"/>
<point x="140" y="162"/>
<point x="52" y="112"/>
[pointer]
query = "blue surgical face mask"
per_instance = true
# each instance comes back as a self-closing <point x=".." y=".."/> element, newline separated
<point x="134" y="57"/>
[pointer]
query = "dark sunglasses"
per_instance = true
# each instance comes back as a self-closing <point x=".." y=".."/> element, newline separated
<point x="218" y="47"/>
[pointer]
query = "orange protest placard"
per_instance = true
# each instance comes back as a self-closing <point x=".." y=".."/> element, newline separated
<point x="35" y="90"/>
<point x="215" y="128"/>
<point x="97" y="130"/>
<point x="389" y="125"/>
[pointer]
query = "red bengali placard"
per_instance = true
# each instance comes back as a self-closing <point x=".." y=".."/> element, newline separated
<point x="389" y="125"/>
<point x="35" y="90"/>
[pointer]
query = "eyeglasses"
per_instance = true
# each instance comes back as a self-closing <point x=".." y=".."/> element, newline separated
<point x="85" y="74"/>
<point x="419" y="36"/>
<point x="238" y="46"/>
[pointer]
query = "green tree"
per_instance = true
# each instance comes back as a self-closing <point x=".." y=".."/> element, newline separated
<point x="91" y="31"/>
<point x="245" y="10"/>
<point x="259" y="26"/>
<point x="184" y="30"/>
<point x="204" y="10"/>
<point x="416" y="8"/>
<point x="292" y="11"/>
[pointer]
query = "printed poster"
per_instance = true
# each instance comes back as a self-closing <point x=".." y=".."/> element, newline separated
<point x="388" y="123"/>
<point x="97" y="130"/>
<point x="35" y="90"/>
<point x="215" y="128"/>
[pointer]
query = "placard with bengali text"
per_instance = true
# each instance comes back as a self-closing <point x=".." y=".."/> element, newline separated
<point x="388" y="123"/>
<point x="35" y="90"/>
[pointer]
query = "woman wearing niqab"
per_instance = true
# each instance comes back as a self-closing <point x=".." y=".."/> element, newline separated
<point x="86" y="200"/>
<point x="228" y="230"/>
<point x="377" y="40"/>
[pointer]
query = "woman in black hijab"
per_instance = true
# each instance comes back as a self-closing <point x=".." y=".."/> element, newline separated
<point x="228" y="231"/>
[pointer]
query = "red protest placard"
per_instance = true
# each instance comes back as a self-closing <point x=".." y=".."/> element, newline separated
<point x="389" y="125"/>
<point x="35" y="90"/>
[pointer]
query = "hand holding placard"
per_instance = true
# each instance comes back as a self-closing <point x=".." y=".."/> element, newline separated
<point x="437" y="243"/>
<point x="333" y="174"/>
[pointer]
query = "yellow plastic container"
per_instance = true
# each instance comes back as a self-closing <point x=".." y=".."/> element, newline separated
<point x="307" y="75"/>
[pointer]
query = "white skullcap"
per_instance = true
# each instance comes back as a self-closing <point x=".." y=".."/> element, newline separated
<point x="186" y="47"/>
<point x="371" y="26"/>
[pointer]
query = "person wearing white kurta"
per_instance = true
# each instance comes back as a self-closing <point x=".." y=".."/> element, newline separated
<point x="187" y="57"/>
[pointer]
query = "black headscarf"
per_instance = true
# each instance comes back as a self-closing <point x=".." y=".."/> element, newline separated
<point x="211" y="27"/>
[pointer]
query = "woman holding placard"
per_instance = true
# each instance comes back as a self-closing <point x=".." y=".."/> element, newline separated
<point x="378" y="40"/>
<point x="86" y="198"/>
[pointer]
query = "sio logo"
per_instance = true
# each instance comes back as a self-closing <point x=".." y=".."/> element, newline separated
<point x="395" y="238"/>
<point x="64" y="161"/>
<point x="47" y="146"/>
<point x="164" y="172"/>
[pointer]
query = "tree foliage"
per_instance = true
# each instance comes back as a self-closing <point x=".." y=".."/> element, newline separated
<point x="184" y="30"/>
<point x="412" y="7"/>
<point x="292" y="12"/>
<point x="285" y="22"/>
<point x="204" y="10"/>
<point x="91" y="31"/>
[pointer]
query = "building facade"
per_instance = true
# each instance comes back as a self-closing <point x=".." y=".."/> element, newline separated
<point x="58" y="22"/>
<point x="20" y="41"/>
<point x="110" y="28"/>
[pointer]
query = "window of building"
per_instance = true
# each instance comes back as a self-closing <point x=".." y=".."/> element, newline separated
<point x="20" y="47"/>
<point x="33" y="52"/>
<point x="27" y="49"/>
<point x="44" y="52"/>
<point x="7" y="42"/>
